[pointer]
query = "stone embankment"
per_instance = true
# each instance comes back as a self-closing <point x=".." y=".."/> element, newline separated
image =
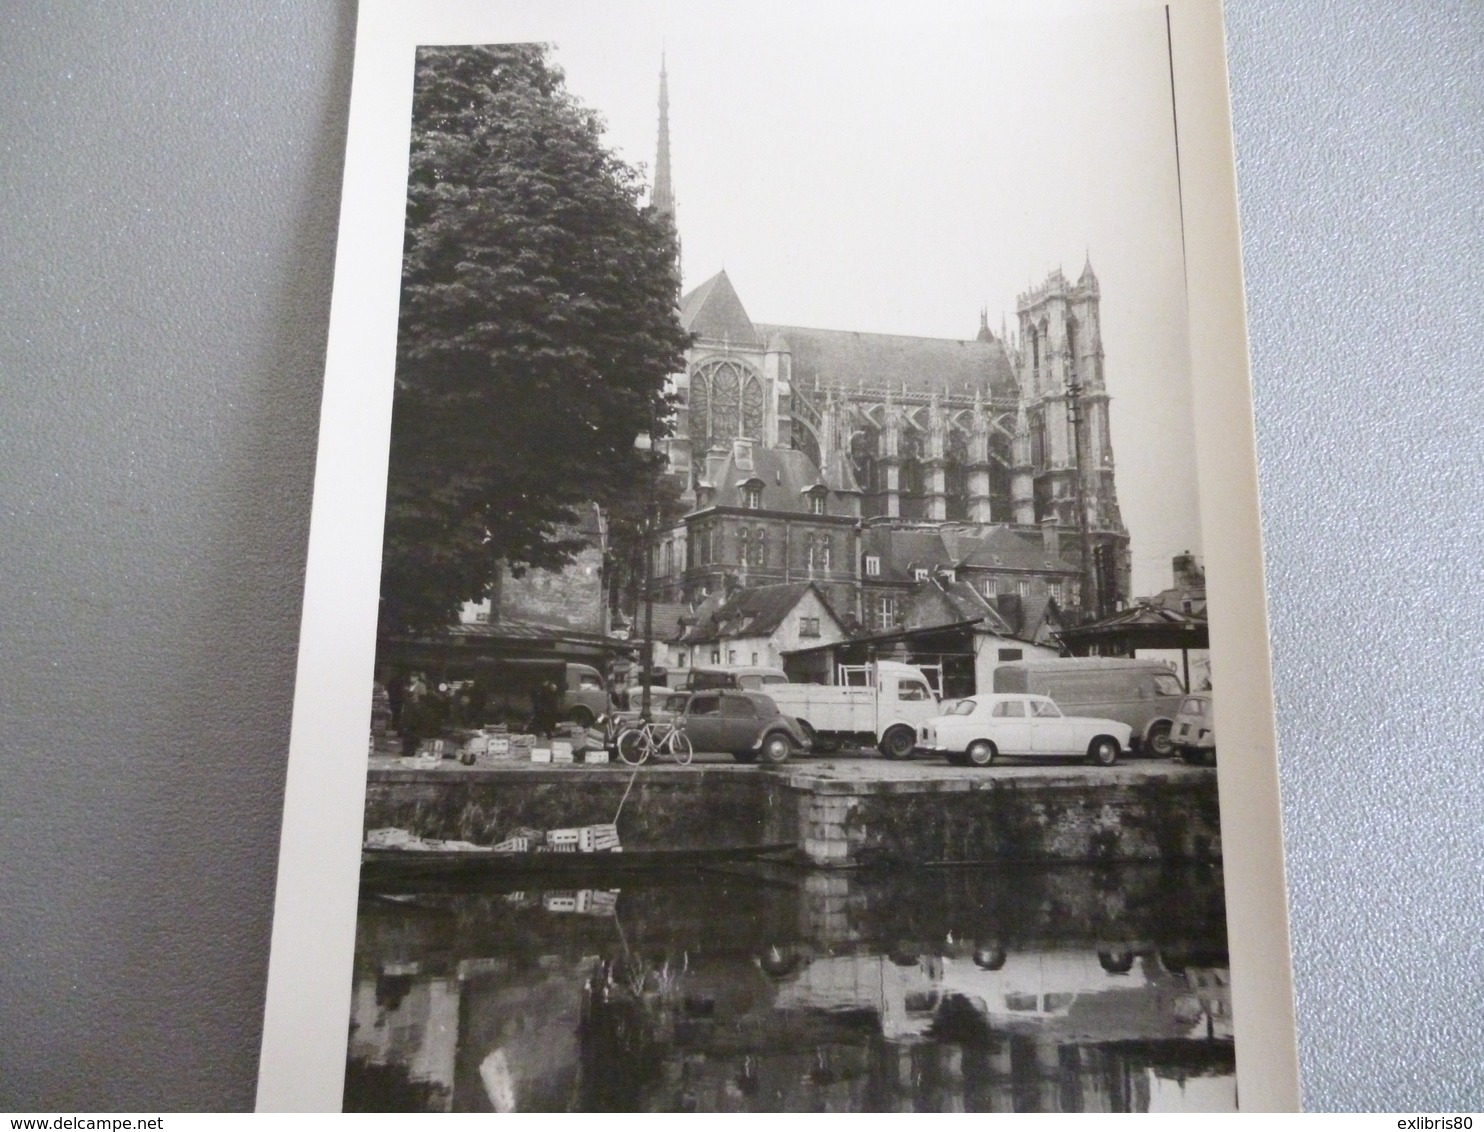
<point x="840" y="814"/>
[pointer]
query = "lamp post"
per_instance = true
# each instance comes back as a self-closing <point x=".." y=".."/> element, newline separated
<point x="1084" y="537"/>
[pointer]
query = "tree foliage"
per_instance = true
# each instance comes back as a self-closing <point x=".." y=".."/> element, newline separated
<point x="537" y="327"/>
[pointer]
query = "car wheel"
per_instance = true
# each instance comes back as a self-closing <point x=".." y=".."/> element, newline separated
<point x="1119" y="962"/>
<point x="981" y="753"/>
<point x="1159" y="741"/>
<point x="1103" y="751"/>
<point x="581" y="716"/>
<point x="745" y="756"/>
<point x="776" y="748"/>
<point x="898" y="742"/>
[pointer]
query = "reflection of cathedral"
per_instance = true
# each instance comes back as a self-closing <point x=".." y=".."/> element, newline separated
<point x="791" y="440"/>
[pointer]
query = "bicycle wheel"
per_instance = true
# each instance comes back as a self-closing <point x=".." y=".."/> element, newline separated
<point x="680" y="748"/>
<point x="634" y="745"/>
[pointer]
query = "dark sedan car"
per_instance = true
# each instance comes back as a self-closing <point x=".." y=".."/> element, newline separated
<point x="746" y="725"/>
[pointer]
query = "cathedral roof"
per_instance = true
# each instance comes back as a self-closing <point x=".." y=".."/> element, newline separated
<point x="713" y="311"/>
<point x="849" y="358"/>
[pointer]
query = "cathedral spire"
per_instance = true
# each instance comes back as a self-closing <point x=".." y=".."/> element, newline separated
<point x="663" y="196"/>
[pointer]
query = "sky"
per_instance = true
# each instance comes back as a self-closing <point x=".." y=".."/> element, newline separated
<point x="868" y="168"/>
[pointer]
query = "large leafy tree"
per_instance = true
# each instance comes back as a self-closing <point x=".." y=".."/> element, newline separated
<point x="536" y="329"/>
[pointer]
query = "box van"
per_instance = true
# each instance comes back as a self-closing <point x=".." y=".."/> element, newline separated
<point x="1145" y="694"/>
<point x="750" y="678"/>
<point x="581" y="695"/>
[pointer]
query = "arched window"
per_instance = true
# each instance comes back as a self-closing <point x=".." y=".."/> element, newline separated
<point x="744" y="546"/>
<point x="1072" y="346"/>
<point x="826" y="552"/>
<point x="726" y="400"/>
<point x="760" y="548"/>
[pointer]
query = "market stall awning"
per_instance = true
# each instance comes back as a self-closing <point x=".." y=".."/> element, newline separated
<point x="1142" y="627"/>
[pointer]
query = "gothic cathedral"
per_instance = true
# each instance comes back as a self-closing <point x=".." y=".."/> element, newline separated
<point x="862" y="461"/>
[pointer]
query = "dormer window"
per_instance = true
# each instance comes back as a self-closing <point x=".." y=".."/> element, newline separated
<point x="920" y="574"/>
<point x="816" y="504"/>
<point x="752" y="497"/>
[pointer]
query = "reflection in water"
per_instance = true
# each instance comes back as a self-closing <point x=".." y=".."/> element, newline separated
<point x="1065" y="989"/>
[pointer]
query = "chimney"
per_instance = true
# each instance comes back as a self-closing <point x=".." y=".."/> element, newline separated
<point x="1051" y="536"/>
<point x="716" y="461"/>
<point x="1188" y="574"/>
<point x="742" y="454"/>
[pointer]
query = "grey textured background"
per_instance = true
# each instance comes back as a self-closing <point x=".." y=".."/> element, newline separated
<point x="168" y="195"/>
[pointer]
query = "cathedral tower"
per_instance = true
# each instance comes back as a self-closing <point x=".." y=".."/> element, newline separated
<point x="1062" y="343"/>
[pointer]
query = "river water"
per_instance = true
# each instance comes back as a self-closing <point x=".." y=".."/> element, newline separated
<point x="1021" y="989"/>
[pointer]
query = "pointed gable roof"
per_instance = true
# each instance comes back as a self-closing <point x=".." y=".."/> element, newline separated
<point x="752" y="612"/>
<point x="713" y="312"/>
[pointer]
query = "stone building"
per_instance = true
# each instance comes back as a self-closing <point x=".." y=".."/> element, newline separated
<point x="801" y="452"/>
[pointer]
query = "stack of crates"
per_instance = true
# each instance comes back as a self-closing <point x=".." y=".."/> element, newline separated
<point x="497" y="745"/>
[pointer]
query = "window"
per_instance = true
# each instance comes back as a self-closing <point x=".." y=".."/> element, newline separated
<point x="738" y="707"/>
<point x="754" y="658"/>
<point x="1011" y="654"/>
<point x="731" y="656"/>
<point x="744" y="546"/>
<point x="965" y="707"/>
<point x="715" y="656"/>
<point x="808" y="626"/>
<point x="760" y="548"/>
<point x="919" y="574"/>
<point x="705" y="705"/>
<point x="1167" y="686"/>
<point x="873" y="566"/>
<point x="816" y="503"/>
<point x="988" y="587"/>
<point x="680" y="660"/>
<point x="669" y="559"/>
<point x="752" y="497"/>
<point x="886" y="611"/>
<point x="1009" y="709"/>
<point x="589" y="680"/>
<point x="1023" y="587"/>
<point x="1045" y="709"/>
<point x="913" y="691"/>
<point x="825" y="552"/>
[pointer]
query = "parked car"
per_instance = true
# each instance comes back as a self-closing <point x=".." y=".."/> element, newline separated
<point x="1144" y="694"/>
<point x="1194" y="735"/>
<point x="984" y="727"/>
<point x="746" y="725"/>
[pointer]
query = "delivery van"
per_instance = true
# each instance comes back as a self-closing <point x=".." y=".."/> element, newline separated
<point x="1145" y="694"/>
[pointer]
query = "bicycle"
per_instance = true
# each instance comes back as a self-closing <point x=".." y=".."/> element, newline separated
<point x="636" y="745"/>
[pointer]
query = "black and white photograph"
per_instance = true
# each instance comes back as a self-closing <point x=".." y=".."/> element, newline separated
<point x="792" y="685"/>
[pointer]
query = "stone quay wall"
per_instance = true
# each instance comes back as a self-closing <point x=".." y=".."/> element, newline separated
<point x="1155" y="812"/>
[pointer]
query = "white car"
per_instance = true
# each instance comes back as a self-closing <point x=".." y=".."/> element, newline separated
<point x="982" y="728"/>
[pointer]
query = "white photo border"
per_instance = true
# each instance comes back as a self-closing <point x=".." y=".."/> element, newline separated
<point x="307" y="1009"/>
